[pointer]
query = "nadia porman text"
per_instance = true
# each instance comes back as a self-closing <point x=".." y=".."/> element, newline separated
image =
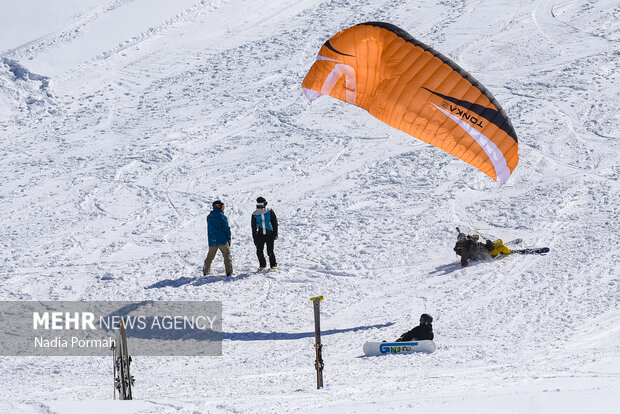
<point x="73" y="342"/>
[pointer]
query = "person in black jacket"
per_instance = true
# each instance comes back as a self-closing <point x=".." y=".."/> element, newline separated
<point x="422" y="332"/>
<point x="264" y="232"/>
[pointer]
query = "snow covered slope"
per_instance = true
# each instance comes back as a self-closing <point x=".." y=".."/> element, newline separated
<point x="121" y="121"/>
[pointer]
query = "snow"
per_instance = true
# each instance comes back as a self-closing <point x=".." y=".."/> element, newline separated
<point x="121" y="121"/>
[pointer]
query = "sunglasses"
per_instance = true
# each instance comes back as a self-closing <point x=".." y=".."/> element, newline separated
<point x="260" y="205"/>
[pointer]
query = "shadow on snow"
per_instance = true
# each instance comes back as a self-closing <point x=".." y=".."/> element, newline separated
<point x="204" y="280"/>
<point x="446" y="269"/>
<point x="286" y="336"/>
<point x="452" y="267"/>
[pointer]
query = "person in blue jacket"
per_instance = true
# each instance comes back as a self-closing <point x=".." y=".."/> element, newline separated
<point x="218" y="232"/>
<point x="264" y="232"/>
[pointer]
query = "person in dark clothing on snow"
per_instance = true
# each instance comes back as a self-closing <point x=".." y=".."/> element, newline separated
<point x="264" y="232"/>
<point x="469" y="248"/>
<point x="422" y="332"/>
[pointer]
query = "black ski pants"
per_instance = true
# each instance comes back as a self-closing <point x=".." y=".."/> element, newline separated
<point x="260" y="242"/>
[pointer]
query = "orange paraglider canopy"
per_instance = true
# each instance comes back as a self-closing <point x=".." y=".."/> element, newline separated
<point x="413" y="88"/>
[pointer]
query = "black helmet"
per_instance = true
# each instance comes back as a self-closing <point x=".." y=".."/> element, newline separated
<point x="426" y="319"/>
<point x="217" y="204"/>
<point x="261" y="202"/>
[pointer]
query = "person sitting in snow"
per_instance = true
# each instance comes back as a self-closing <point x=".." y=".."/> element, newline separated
<point x="469" y="248"/>
<point x="422" y="332"/>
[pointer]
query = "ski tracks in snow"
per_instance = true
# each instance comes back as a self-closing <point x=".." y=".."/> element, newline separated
<point x="208" y="105"/>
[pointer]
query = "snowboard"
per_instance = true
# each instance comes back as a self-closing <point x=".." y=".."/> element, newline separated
<point x="385" y="348"/>
<point x="535" y="250"/>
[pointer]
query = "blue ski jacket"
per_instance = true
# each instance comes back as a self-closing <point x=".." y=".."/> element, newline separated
<point x="218" y="230"/>
<point x="264" y="223"/>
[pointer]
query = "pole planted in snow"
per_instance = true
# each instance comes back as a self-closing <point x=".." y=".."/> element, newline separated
<point x="317" y="345"/>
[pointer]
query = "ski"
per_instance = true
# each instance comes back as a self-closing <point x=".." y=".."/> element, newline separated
<point x="118" y="373"/>
<point x="127" y="359"/>
<point x="535" y="250"/>
<point x="122" y="376"/>
<point x="114" y="348"/>
<point x="317" y="345"/>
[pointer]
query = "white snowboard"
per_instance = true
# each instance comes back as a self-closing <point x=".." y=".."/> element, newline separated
<point x="384" y="348"/>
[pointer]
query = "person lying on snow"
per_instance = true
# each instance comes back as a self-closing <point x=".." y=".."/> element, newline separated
<point x="497" y="247"/>
<point x="469" y="248"/>
<point x="422" y="332"/>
